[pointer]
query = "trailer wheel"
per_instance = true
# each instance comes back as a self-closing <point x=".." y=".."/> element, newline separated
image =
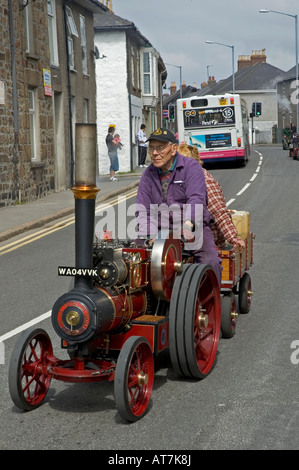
<point x="229" y="315"/>
<point x="194" y="321"/>
<point x="245" y="293"/>
<point x="134" y="378"/>
<point x="28" y="382"/>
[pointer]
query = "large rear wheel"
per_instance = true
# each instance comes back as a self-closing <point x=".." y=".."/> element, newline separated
<point x="194" y="321"/>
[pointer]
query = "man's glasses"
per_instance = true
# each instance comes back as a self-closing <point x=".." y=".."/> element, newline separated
<point x="160" y="149"/>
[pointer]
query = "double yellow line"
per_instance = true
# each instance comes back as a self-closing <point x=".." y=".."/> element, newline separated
<point x="62" y="224"/>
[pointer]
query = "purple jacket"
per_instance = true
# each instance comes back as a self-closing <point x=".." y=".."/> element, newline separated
<point x="186" y="186"/>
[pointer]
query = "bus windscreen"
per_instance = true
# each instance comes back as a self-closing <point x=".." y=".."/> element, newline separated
<point x="209" y="117"/>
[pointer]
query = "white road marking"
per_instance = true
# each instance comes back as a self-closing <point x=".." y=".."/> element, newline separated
<point x="21" y="328"/>
<point x="251" y="179"/>
<point x="230" y="202"/>
<point x="243" y="189"/>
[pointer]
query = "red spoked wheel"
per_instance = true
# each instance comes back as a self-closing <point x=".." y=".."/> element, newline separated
<point x="28" y="380"/>
<point x="194" y="321"/>
<point x="134" y="378"/>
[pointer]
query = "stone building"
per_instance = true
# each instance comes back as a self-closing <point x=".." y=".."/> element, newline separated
<point x="47" y="84"/>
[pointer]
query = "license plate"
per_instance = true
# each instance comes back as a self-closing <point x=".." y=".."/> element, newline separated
<point x="222" y="102"/>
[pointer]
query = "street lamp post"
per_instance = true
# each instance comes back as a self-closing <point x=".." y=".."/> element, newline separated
<point x="233" y="59"/>
<point x="178" y="67"/>
<point x="296" y="53"/>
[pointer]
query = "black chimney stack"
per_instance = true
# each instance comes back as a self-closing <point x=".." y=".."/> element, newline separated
<point x="85" y="193"/>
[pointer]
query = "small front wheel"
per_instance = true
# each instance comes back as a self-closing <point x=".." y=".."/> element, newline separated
<point x="134" y="378"/>
<point x="28" y="381"/>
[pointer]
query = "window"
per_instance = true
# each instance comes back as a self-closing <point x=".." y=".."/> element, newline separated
<point x="209" y="117"/>
<point x="52" y="31"/>
<point x="29" y="29"/>
<point x="33" y="123"/>
<point x="70" y="50"/>
<point x="72" y="31"/>
<point x="133" y="66"/>
<point x="138" y="69"/>
<point x="146" y="73"/>
<point x="71" y="22"/>
<point x="83" y="44"/>
<point x="85" y="110"/>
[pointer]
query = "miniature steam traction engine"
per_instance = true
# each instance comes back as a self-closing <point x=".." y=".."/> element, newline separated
<point x="129" y="303"/>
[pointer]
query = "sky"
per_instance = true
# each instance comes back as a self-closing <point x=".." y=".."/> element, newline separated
<point x="178" y="29"/>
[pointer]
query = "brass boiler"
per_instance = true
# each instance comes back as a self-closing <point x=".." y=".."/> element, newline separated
<point x="116" y="298"/>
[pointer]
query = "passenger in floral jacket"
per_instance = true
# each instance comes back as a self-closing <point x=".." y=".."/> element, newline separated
<point x="223" y="228"/>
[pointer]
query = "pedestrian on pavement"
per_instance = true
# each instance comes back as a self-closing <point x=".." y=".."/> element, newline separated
<point x="142" y="146"/>
<point x="223" y="228"/>
<point x="173" y="179"/>
<point x="112" y="146"/>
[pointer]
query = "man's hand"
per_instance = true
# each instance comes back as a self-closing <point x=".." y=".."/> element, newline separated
<point x="187" y="231"/>
<point x="240" y="243"/>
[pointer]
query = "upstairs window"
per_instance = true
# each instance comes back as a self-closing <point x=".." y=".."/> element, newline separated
<point x="83" y="44"/>
<point x="52" y="31"/>
<point x="71" y="31"/>
<point x="29" y="29"/>
<point x="138" y="69"/>
<point x="133" y="66"/>
<point x="71" y="22"/>
<point x="146" y="73"/>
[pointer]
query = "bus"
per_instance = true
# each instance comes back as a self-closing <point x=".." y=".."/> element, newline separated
<point x="217" y="124"/>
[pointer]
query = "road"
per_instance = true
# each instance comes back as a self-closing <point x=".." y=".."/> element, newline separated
<point x="249" y="401"/>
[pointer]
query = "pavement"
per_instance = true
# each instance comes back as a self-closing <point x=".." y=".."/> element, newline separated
<point x="20" y="218"/>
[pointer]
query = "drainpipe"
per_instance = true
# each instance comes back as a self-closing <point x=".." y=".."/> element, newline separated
<point x="131" y="134"/>
<point x="15" y="158"/>
<point x="69" y="93"/>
